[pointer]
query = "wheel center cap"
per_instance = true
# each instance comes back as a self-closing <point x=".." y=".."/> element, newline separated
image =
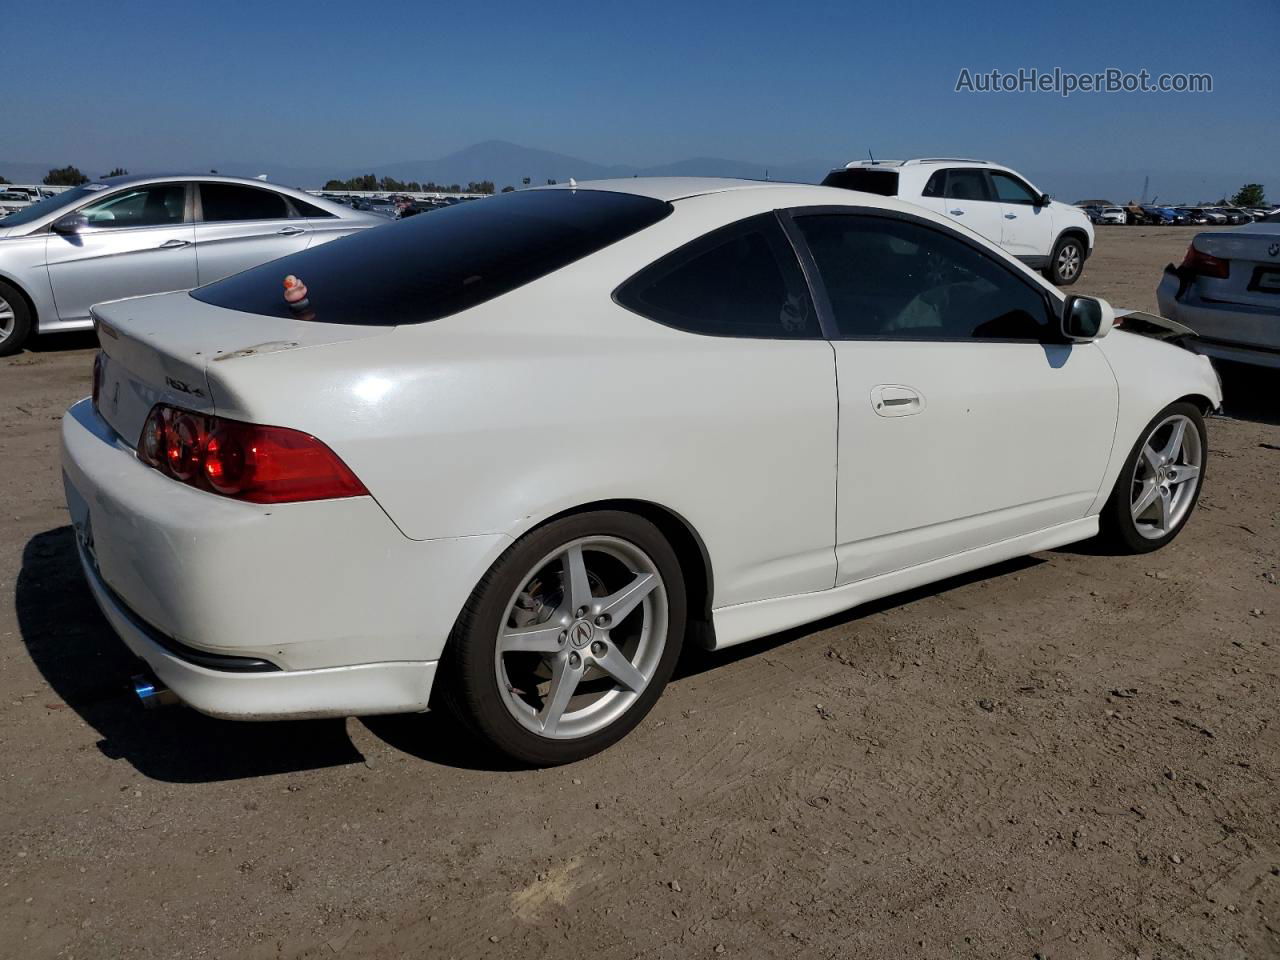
<point x="581" y="634"/>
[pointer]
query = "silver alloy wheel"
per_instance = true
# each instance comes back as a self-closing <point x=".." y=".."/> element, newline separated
<point x="1068" y="261"/>
<point x="7" y="320"/>
<point x="1165" y="476"/>
<point x="582" y="637"/>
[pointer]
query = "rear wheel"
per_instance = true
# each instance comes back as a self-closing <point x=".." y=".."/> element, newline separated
<point x="15" y="320"/>
<point x="1066" y="261"/>
<point x="569" y="639"/>
<point x="1160" y="481"/>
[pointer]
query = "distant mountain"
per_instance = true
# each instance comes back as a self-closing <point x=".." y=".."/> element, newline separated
<point x="509" y="163"/>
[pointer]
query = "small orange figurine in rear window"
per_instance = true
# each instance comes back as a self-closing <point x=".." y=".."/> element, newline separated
<point x="295" y="292"/>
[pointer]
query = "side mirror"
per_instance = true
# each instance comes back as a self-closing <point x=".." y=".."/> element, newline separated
<point x="1042" y="200"/>
<point x="71" y="223"/>
<point x="1087" y="318"/>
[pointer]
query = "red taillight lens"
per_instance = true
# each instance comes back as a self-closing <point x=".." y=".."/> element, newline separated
<point x="244" y="460"/>
<point x="97" y="378"/>
<point x="1202" y="264"/>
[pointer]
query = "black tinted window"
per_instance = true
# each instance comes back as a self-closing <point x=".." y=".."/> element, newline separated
<point x="424" y="268"/>
<point x="967" y="184"/>
<point x="311" y="210"/>
<point x="230" y="201"/>
<point x="151" y="206"/>
<point x="937" y="185"/>
<point x="897" y="280"/>
<point x="740" y="281"/>
<point x="882" y="182"/>
<point x="1010" y="189"/>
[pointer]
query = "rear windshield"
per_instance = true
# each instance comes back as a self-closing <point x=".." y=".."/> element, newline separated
<point x="882" y="182"/>
<point x="424" y="268"/>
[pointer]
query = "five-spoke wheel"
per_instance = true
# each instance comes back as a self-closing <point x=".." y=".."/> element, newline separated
<point x="1160" y="481"/>
<point x="570" y="638"/>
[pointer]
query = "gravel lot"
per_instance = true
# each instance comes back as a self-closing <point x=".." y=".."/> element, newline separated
<point x="1072" y="755"/>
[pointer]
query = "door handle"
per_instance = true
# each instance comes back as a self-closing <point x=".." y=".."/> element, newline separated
<point x="290" y="231"/>
<point x="174" y="244"/>
<point x="1011" y="216"/>
<point x="896" y="400"/>
<point x="956" y="213"/>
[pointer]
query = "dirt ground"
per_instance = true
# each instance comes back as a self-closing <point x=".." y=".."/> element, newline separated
<point x="1071" y="755"/>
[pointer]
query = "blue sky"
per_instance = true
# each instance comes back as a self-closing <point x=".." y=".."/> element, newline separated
<point x="167" y="85"/>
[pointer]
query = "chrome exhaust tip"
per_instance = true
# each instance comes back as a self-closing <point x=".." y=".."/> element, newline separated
<point x="151" y="693"/>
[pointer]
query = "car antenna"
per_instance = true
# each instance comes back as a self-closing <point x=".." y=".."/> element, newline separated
<point x="869" y="154"/>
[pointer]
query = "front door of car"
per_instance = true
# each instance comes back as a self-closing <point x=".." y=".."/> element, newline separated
<point x="1027" y="225"/>
<point x="134" y="241"/>
<point x="969" y="200"/>
<point x="238" y="227"/>
<point x="964" y="419"/>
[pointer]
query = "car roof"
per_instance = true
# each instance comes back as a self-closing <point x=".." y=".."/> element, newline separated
<point x="131" y="178"/>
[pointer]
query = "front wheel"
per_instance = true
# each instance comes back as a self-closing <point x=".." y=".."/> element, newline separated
<point x="569" y="639"/>
<point x="15" y="320"/>
<point x="1066" y="262"/>
<point x="1160" y="481"/>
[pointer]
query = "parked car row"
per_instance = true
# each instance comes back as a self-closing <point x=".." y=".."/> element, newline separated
<point x="1148" y="214"/>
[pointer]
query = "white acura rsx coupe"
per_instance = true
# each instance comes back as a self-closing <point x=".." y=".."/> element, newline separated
<point x="514" y="453"/>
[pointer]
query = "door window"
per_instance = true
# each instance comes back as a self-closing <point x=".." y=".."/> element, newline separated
<point x="967" y="183"/>
<point x="150" y="206"/>
<point x="894" y="279"/>
<point x="1009" y="189"/>
<point x="742" y="280"/>
<point x="223" y="202"/>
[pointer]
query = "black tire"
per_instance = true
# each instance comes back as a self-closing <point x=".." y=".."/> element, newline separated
<point x="1060" y="270"/>
<point x="19" y="326"/>
<point x="468" y="683"/>
<point x="1118" y="527"/>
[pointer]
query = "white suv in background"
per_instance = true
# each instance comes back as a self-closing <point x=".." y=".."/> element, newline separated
<point x="989" y="199"/>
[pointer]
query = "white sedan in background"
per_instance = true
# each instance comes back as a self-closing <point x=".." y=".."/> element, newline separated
<point x="514" y="453"/>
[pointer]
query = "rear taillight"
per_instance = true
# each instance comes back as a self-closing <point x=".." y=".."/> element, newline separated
<point x="97" y="378"/>
<point x="1201" y="264"/>
<point x="246" y="461"/>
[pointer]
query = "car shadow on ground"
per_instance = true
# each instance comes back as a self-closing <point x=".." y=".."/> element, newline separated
<point x="63" y="342"/>
<point x="89" y="668"/>
<point x="1249" y="393"/>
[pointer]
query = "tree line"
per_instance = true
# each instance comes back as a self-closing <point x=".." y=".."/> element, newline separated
<point x="391" y="185"/>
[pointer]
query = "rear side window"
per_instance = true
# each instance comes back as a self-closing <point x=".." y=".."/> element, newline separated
<point x="881" y="182"/>
<point x="229" y="201"/>
<point x="742" y="280"/>
<point x="425" y="268"/>
<point x="310" y="209"/>
<point x="937" y="185"/>
<point x="967" y="183"/>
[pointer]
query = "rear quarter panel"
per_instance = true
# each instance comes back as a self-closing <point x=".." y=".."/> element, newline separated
<point x="553" y="397"/>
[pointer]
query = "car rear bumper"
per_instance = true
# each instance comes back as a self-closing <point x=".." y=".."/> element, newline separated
<point x="1225" y="331"/>
<point x="342" y="612"/>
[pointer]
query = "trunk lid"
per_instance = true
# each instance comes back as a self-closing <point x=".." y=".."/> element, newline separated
<point x="158" y="350"/>
<point x="1254" y="274"/>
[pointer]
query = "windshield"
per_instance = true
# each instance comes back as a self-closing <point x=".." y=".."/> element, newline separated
<point x="425" y="268"/>
<point x="42" y="208"/>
